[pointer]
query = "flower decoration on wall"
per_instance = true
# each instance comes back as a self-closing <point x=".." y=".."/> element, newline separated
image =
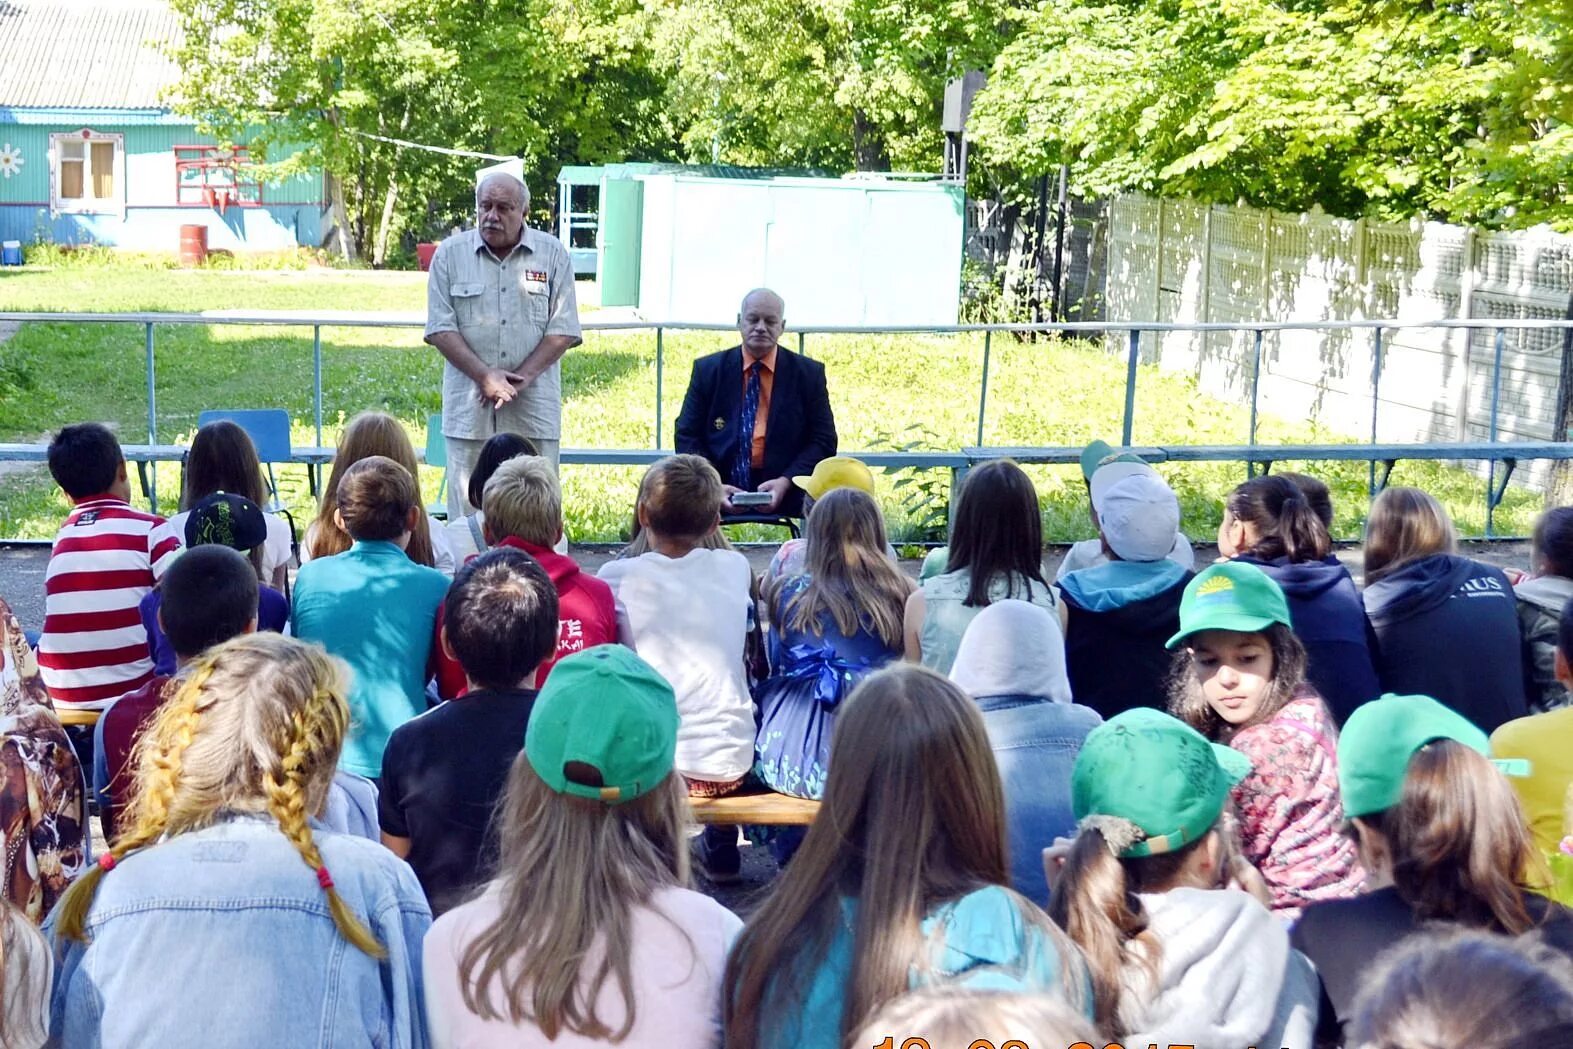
<point x="10" y="160"/>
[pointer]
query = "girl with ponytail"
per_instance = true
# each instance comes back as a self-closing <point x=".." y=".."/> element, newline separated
<point x="1151" y="893"/>
<point x="1274" y="524"/>
<point x="1443" y="835"/>
<point x="219" y="910"/>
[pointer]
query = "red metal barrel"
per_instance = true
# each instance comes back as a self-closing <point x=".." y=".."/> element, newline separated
<point x="193" y="245"/>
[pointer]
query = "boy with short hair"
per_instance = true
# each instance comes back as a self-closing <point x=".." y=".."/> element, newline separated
<point x="443" y="772"/>
<point x="685" y="609"/>
<point x="1100" y="458"/>
<point x="523" y="510"/>
<point x="106" y="558"/>
<point x="227" y="520"/>
<point x="209" y="595"/>
<point x="1122" y="611"/>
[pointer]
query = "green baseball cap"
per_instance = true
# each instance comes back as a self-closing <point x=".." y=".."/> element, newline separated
<point x="1102" y="453"/>
<point x="1232" y="595"/>
<point x="1154" y="771"/>
<point x="1381" y="737"/>
<point x="604" y="727"/>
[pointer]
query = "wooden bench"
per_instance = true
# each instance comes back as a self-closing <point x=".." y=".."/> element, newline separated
<point x="765" y="808"/>
<point x="71" y="717"/>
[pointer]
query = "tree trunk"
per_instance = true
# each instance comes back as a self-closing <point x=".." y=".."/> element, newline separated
<point x="1559" y="489"/>
<point x="868" y="144"/>
<point x="341" y="220"/>
<point x="379" y="254"/>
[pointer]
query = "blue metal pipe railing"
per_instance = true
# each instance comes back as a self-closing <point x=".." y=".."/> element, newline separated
<point x="1132" y="329"/>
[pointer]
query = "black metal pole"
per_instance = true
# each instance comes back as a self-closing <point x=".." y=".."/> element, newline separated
<point x="1040" y="222"/>
<point x="1056" y="307"/>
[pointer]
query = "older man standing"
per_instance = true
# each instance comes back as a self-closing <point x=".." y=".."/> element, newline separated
<point x="759" y="412"/>
<point x="500" y="308"/>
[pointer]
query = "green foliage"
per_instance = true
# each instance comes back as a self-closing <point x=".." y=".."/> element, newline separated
<point x="923" y="495"/>
<point x="62" y="256"/>
<point x="551" y="83"/>
<point x="828" y="83"/>
<point x="1392" y="109"/>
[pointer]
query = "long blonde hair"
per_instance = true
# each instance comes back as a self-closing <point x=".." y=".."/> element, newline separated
<point x="257" y="726"/>
<point x="913" y="816"/>
<point x="1405" y="525"/>
<point x="368" y="434"/>
<point x="18" y="976"/>
<point x="573" y="872"/>
<point x="850" y="576"/>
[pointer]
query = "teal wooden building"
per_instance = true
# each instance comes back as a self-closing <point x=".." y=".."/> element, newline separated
<point x="90" y="152"/>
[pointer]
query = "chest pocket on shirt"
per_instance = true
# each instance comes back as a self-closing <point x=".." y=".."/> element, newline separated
<point x="470" y="303"/>
<point x="537" y="296"/>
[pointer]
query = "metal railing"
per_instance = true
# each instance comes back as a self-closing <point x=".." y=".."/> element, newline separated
<point x="1132" y="331"/>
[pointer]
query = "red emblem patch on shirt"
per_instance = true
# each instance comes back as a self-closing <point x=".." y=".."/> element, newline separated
<point x="535" y="275"/>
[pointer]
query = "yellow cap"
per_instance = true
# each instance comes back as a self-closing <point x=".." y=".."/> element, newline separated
<point x="838" y="471"/>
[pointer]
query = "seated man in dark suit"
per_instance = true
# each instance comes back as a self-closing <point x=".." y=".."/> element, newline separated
<point x="759" y="412"/>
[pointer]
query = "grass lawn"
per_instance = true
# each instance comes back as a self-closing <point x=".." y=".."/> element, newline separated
<point x="887" y="391"/>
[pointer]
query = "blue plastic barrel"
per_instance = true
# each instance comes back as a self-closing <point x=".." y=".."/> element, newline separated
<point x="11" y="253"/>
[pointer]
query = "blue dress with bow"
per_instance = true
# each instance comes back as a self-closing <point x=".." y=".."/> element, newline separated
<point x="810" y="675"/>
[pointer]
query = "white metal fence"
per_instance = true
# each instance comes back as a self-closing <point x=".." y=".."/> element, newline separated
<point x="1182" y="262"/>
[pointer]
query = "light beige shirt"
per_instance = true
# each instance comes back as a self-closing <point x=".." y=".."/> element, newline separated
<point x="502" y="309"/>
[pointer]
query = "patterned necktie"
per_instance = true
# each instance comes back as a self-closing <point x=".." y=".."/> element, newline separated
<point x="742" y="466"/>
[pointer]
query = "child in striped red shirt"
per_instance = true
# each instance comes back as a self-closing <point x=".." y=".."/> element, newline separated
<point x="106" y="558"/>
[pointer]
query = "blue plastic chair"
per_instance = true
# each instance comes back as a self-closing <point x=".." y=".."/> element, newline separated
<point x="268" y="429"/>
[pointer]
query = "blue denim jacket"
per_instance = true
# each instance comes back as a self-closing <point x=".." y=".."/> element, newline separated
<point x="221" y="939"/>
<point x="1035" y="744"/>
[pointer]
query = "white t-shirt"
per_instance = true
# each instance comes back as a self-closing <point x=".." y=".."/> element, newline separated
<point x="688" y="618"/>
<point x="679" y="947"/>
<point x="275" y="548"/>
<point x="441" y="551"/>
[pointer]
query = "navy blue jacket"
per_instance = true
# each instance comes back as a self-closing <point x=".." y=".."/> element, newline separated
<point x="800" y="430"/>
<point x="1447" y="627"/>
<point x="1329" y="620"/>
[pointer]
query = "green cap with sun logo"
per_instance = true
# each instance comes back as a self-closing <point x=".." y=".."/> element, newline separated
<point x="1230" y="596"/>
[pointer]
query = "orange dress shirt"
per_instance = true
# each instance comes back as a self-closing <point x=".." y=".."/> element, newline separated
<point x="767" y="379"/>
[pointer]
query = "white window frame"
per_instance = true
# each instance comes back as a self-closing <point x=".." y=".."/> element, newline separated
<point x="115" y="204"/>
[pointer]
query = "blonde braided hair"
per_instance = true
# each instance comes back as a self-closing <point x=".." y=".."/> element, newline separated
<point x="257" y="727"/>
<point x="320" y="725"/>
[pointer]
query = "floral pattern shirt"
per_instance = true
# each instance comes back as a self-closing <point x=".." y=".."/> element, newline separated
<point x="1289" y="809"/>
<point x="43" y="806"/>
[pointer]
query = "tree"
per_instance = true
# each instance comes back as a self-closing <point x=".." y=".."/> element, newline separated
<point x="335" y="78"/>
<point x="1393" y="109"/>
<point x="831" y="84"/>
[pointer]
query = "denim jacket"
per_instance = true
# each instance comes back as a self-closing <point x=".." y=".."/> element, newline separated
<point x="221" y="939"/>
<point x="1035" y="743"/>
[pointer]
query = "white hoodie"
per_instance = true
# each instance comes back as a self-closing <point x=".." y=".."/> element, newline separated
<point x="1228" y="978"/>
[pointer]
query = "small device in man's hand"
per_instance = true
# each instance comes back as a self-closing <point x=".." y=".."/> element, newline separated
<point x="751" y="498"/>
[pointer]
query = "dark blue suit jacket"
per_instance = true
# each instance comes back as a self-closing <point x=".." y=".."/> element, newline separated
<point x="799" y="432"/>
